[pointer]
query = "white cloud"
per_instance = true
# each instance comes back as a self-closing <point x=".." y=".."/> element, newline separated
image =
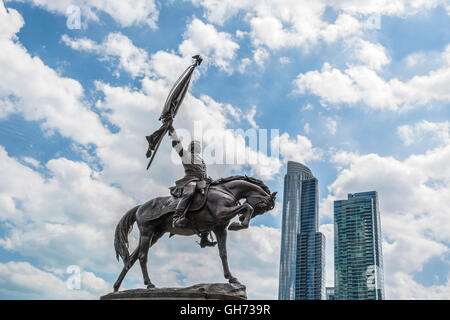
<point x="123" y="160"/>
<point x="217" y="47"/>
<point x="298" y="149"/>
<point x="250" y="116"/>
<point x="61" y="191"/>
<point x="130" y="58"/>
<point x="344" y="26"/>
<point x="296" y="24"/>
<point x="219" y="11"/>
<point x="330" y="84"/>
<point x="125" y="12"/>
<point x="24" y="281"/>
<point x="241" y="34"/>
<point x="82" y="44"/>
<point x="38" y="92"/>
<point x="331" y="125"/>
<point x="277" y="209"/>
<point x="415" y="58"/>
<point x="344" y="157"/>
<point x="285" y="60"/>
<point x="260" y="55"/>
<point x="385" y="7"/>
<point x="361" y="84"/>
<point x="435" y="131"/>
<point x="371" y="54"/>
<point x="245" y="62"/>
<point x="283" y="24"/>
<point x="307" y="107"/>
<point x="31" y="161"/>
<point x="58" y="218"/>
<point x="404" y="287"/>
<point x="307" y="128"/>
<point x="167" y="65"/>
<point x="422" y="62"/>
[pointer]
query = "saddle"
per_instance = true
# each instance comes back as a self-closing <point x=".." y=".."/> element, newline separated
<point x="199" y="199"/>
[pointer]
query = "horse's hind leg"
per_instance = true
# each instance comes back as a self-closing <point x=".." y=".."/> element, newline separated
<point x="125" y="269"/>
<point x="133" y="257"/>
<point x="144" y="245"/>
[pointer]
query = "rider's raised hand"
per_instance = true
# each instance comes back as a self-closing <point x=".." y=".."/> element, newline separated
<point x="171" y="130"/>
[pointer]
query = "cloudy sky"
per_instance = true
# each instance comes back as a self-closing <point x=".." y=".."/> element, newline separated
<point x="359" y="92"/>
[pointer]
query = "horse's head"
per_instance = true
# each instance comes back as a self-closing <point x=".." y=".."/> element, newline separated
<point x="253" y="190"/>
<point x="262" y="204"/>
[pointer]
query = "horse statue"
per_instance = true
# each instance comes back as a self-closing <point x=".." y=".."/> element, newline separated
<point x="209" y="212"/>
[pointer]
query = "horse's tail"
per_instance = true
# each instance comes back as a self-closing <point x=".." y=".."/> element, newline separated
<point x="123" y="228"/>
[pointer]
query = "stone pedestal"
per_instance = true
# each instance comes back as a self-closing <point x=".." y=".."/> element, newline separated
<point x="204" y="291"/>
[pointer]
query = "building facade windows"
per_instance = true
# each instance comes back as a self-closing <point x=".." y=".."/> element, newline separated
<point x="302" y="261"/>
<point x="358" y="257"/>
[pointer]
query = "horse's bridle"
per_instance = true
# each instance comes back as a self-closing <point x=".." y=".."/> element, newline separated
<point x="257" y="196"/>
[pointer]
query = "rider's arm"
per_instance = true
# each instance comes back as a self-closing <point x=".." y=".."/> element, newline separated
<point x="176" y="142"/>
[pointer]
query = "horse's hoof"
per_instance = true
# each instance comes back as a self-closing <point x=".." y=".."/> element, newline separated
<point x="207" y="243"/>
<point x="150" y="286"/>
<point x="234" y="281"/>
<point x="234" y="226"/>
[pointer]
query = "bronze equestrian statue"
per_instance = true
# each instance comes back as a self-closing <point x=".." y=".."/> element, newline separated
<point x="212" y="211"/>
<point x="197" y="205"/>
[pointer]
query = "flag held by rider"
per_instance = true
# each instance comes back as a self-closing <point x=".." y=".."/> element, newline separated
<point x="171" y="107"/>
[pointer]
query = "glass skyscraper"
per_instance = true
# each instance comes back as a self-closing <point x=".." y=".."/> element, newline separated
<point x="302" y="261"/>
<point x="358" y="258"/>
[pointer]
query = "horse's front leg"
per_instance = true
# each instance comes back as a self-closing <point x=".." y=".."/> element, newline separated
<point x="245" y="220"/>
<point x="221" y="236"/>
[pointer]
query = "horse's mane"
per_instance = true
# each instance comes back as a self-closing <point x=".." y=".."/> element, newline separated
<point x="258" y="182"/>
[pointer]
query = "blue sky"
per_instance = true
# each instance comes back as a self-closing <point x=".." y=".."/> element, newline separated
<point x="359" y="93"/>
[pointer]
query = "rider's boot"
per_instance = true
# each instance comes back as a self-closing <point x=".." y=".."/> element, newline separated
<point x="204" y="241"/>
<point x="179" y="219"/>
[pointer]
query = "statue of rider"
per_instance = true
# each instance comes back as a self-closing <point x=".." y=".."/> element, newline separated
<point x="194" y="178"/>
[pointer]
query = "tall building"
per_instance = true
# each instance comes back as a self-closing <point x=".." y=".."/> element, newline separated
<point x="358" y="258"/>
<point x="302" y="261"/>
